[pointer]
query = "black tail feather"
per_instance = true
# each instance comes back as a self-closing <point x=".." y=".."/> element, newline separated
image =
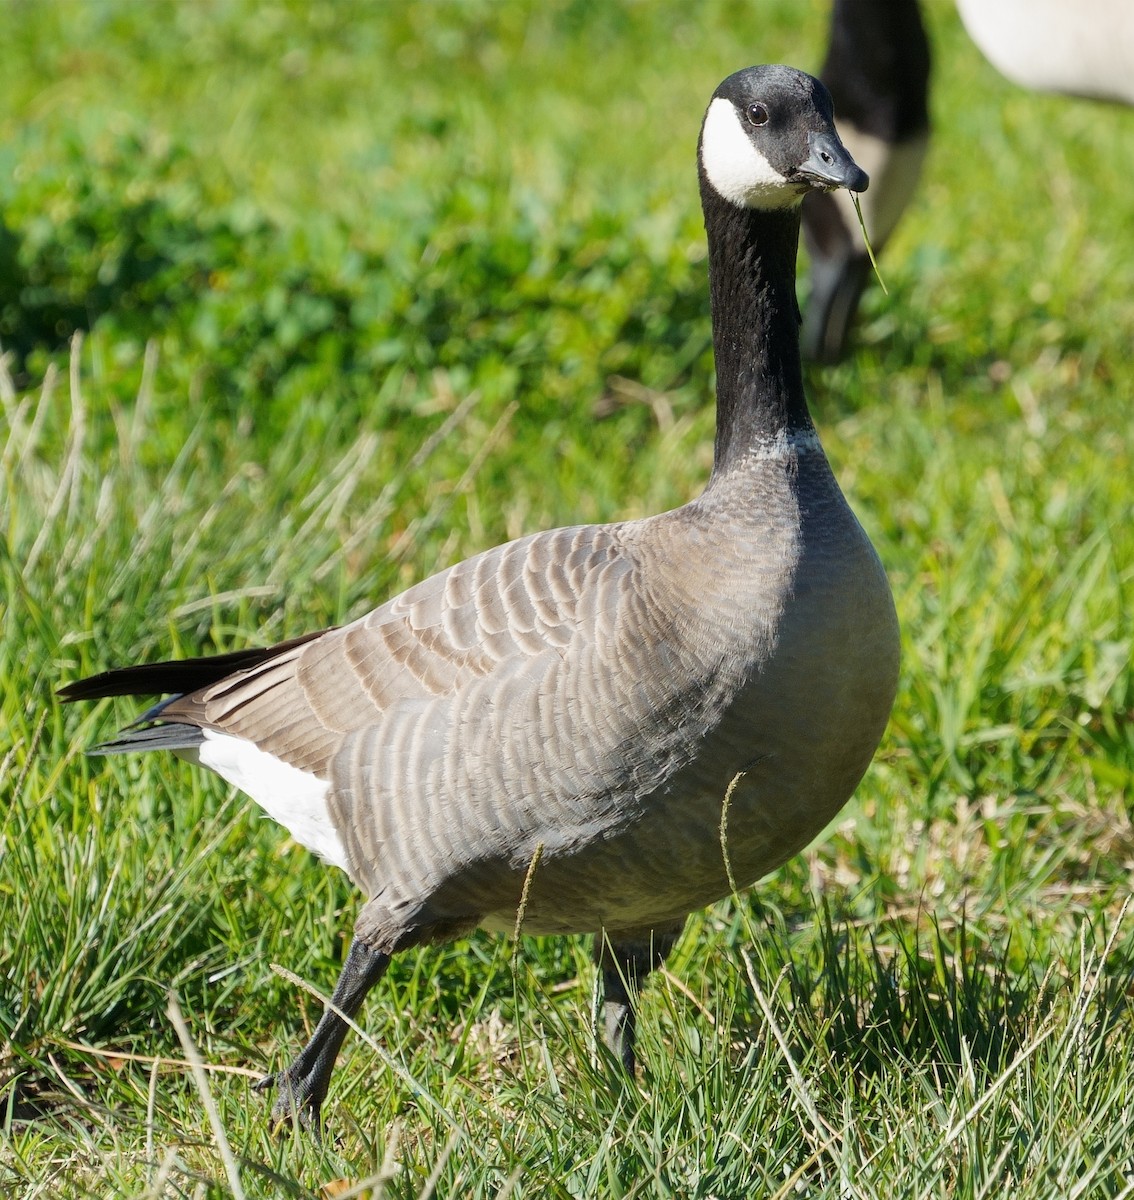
<point x="174" y="736"/>
<point x="180" y="676"/>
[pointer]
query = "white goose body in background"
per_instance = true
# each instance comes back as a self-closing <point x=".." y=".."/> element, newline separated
<point x="1079" y="47"/>
<point x="587" y="697"/>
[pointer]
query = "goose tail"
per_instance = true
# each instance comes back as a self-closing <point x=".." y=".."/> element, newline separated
<point x="181" y="676"/>
<point x="175" y="736"/>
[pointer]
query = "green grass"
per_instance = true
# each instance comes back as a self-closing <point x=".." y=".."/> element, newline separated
<point x="366" y="289"/>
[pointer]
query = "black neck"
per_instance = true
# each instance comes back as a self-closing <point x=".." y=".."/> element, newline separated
<point x="752" y="254"/>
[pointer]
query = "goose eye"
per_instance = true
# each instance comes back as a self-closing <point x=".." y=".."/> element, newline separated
<point x="757" y="114"/>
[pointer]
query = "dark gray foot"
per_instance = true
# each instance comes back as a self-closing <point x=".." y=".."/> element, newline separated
<point x="302" y="1087"/>
<point x="625" y="960"/>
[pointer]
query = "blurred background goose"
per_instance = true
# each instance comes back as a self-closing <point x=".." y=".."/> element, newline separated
<point x="564" y="716"/>
<point x="877" y="71"/>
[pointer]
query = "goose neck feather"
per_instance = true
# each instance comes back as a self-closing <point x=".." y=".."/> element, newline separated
<point x="760" y="397"/>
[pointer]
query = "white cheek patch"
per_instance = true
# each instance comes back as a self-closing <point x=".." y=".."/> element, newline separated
<point x="296" y="799"/>
<point x="735" y="168"/>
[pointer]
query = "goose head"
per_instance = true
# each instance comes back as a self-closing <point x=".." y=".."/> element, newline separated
<point x="769" y="138"/>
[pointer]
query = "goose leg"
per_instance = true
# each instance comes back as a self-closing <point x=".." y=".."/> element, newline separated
<point x="625" y="960"/>
<point x="302" y="1087"/>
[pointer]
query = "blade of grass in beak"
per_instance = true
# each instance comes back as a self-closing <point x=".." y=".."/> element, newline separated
<point x="866" y="239"/>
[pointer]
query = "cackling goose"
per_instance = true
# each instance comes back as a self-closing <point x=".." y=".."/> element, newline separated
<point x="571" y="709"/>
